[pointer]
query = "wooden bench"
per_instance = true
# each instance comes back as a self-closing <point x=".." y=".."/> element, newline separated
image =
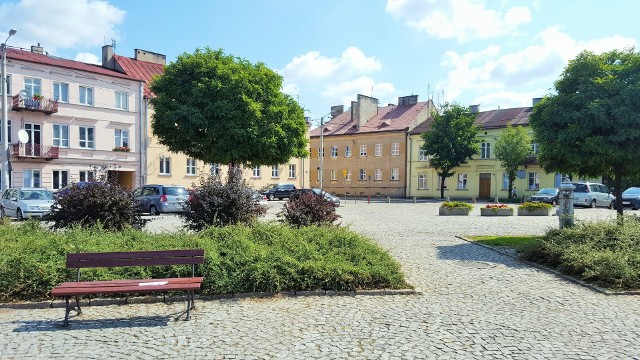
<point x="136" y="258"/>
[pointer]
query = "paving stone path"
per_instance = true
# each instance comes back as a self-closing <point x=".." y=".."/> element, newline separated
<point x="473" y="303"/>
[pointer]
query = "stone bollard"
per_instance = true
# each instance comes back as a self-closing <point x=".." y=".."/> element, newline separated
<point x="414" y="199"/>
<point x="448" y="199"/>
<point x="473" y="199"/>
<point x="388" y="200"/>
<point x="497" y="201"/>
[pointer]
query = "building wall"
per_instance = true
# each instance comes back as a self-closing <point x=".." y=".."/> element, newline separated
<point x="354" y="186"/>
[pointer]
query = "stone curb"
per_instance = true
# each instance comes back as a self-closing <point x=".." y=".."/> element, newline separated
<point x="552" y="271"/>
<point x="177" y="298"/>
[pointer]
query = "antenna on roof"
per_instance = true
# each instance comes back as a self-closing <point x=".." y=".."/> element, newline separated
<point x="371" y="91"/>
<point x="113" y="45"/>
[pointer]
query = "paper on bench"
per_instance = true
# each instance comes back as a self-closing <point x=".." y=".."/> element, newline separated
<point x="155" y="283"/>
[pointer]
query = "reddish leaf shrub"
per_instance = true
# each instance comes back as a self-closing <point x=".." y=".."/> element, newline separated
<point x="308" y="209"/>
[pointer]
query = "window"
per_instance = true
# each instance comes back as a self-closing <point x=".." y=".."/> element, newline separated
<point x="534" y="149"/>
<point x="422" y="181"/>
<point x="122" y="100"/>
<point x="86" y="137"/>
<point x="395" y="149"/>
<point x="395" y="174"/>
<point x="363" y="174"/>
<point x="363" y="150"/>
<point x="256" y="171"/>
<point x="31" y="178"/>
<point x="86" y="175"/>
<point x="378" y="175"/>
<point x="348" y="176"/>
<point x="422" y="155"/>
<point x="320" y="152"/>
<point x="462" y="181"/>
<point x="347" y="151"/>
<point x="274" y="171"/>
<point x="86" y="95"/>
<point x="319" y="175"/>
<point x="191" y="166"/>
<point x="32" y="86"/>
<point x="122" y="138"/>
<point x="440" y="182"/>
<point x="61" y="135"/>
<point x="378" y="150"/>
<point x="334" y="151"/>
<point x="60" y="179"/>
<point x="505" y="181"/>
<point x="333" y="174"/>
<point x="8" y="85"/>
<point x="292" y="171"/>
<point x="534" y="181"/>
<point x="61" y="92"/>
<point x="485" y="150"/>
<point x="215" y="169"/>
<point x="165" y="166"/>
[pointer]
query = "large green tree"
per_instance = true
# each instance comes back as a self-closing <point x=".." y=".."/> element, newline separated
<point x="512" y="149"/>
<point x="591" y="126"/>
<point x="223" y="109"/>
<point x="451" y="140"/>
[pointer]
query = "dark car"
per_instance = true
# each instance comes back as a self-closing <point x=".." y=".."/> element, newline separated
<point x="280" y="191"/>
<point x="631" y="197"/>
<point x="547" y="195"/>
<point x="320" y="193"/>
<point x="158" y="199"/>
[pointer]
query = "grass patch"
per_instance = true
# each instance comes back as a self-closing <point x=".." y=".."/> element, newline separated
<point x="522" y="244"/>
<point x="264" y="258"/>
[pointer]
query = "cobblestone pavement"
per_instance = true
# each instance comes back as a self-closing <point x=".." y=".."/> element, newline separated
<point x="473" y="303"/>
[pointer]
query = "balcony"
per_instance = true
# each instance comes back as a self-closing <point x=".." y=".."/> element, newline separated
<point x="35" y="151"/>
<point x="40" y="104"/>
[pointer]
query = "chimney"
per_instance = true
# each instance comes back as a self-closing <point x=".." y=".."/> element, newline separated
<point x="108" y="60"/>
<point x="37" y="49"/>
<point x="366" y="108"/>
<point x="408" y="100"/>
<point x="307" y="121"/>
<point x="474" y="109"/>
<point x="149" y="56"/>
<point x="336" y="110"/>
<point x="535" y="101"/>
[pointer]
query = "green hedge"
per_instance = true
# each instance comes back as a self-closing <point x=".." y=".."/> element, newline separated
<point x="264" y="258"/>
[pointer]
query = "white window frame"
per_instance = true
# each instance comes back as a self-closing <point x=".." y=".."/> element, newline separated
<point x="122" y="100"/>
<point x="378" y="151"/>
<point x="347" y="177"/>
<point x="377" y="175"/>
<point x="395" y="149"/>
<point x="347" y="151"/>
<point x="423" y="182"/>
<point x="121" y="138"/>
<point x="215" y="169"/>
<point x="395" y="174"/>
<point x="363" y="175"/>
<point x="31" y="178"/>
<point x="191" y="167"/>
<point x="256" y="171"/>
<point x="61" y="92"/>
<point x="292" y="171"/>
<point x="33" y="86"/>
<point x="86" y="95"/>
<point x="363" y="150"/>
<point x="334" y="152"/>
<point x="534" y="148"/>
<point x="422" y="155"/>
<point x="320" y="152"/>
<point x="86" y="175"/>
<point x="164" y="166"/>
<point x="463" y="182"/>
<point x="446" y="187"/>
<point x="533" y="181"/>
<point x="485" y="150"/>
<point x="62" y="179"/>
<point x="275" y="172"/>
<point x="61" y="139"/>
<point x="89" y="134"/>
<point x="333" y="175"/>
<point x="505" y="181"/>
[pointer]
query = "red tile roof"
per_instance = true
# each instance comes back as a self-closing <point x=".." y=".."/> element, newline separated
<point x="493" y="119"/>
<point x="389" y="118"/>
<point x="142" y="70"/>
<point x="23" y="55"/>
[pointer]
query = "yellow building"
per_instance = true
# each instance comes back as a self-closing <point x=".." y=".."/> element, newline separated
<point x="160" y="166"/>
<point x="482" y="177"/>
<point x="364" y="150"/>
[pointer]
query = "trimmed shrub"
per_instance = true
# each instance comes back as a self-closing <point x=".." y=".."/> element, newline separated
<point x="536" y="205"/>
<point x="456" y="204"/>
<point x="308" y="209"/>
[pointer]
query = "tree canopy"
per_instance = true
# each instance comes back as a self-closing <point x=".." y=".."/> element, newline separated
<point x="592" y="124"/>
<point x="223" y="109"/>
<point x="512" y="149"/>
<point x="451" y="140"/>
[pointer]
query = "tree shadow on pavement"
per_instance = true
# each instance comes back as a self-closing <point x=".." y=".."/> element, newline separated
<point x="477" y="255"/>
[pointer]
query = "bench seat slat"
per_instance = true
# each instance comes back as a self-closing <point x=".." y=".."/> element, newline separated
<point x="125" y="286"/>
<point x="137" y="254"/>
<point x="135" y="258"/>
<point x="74" y="264"/>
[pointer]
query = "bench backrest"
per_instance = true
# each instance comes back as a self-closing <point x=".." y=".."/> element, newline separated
<point x="135" y="258"/>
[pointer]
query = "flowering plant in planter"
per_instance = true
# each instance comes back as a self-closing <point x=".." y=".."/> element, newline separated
<point x="535" y="205"/>
<point x="456" y="204"/>
<point x="496" y="207"/>
<point x="121" y="148"/>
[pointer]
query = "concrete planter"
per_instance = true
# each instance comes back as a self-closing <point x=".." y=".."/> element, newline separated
<point x="534" y="212"/>
<point x="496" y="212"/>
<point x="453" y="211"/>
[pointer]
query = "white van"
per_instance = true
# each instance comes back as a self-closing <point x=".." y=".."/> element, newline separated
<point x="591" y="195"/>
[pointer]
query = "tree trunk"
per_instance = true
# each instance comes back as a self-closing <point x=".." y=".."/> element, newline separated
<point x="442" y="179"/>
<point x="235" y="172"/>
<point x="617" y="192"/>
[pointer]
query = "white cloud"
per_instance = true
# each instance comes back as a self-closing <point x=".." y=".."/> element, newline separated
<point x="345" y="92"/>
<point x="88" y="58"/>
<point x="59" y="24"/>
<point x="463" y="20"/>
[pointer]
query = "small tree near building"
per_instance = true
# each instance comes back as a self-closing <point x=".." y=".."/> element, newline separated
<point x="512" y="149"/>
<point x="451" y="140"/>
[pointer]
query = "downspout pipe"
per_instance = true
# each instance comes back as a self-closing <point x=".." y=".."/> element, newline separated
<point x="409" y="165"/>
<point x="141" y="148"/>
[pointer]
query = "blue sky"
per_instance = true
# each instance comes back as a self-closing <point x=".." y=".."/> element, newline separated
<point x="491" y="53"/>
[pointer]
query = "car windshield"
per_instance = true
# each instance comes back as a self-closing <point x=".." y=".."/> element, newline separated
<point x="35" y="195"/>
<point x="547" y="192"/>
<point x="632" y="191"/>
<point x="175" y="191"/>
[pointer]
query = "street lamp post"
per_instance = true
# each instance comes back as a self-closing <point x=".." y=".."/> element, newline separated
<point x="321" y="152"/>
<point x="5" y="115"/>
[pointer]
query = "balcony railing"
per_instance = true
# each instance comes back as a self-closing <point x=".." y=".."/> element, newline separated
<point x="35" y="151"/>
<point x="47" y="106"/>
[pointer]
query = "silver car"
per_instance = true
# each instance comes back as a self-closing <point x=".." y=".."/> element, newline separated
<point x="159" y="199"/>
<point x="589" y="194"/>
<point x="23" y="203"/>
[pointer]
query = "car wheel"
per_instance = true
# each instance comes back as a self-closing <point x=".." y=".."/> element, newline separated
<point x="610" y="206"/>
<point x="271" y="197"/>
<point x="279" y="198"/>
<point x="2" y="212"/>
<point x="593" y="203"/>
<point x="19" y="215"/>
<point x="153" y="210"/>
<point x="634" y="208"/>
<point x="554" y="202"/>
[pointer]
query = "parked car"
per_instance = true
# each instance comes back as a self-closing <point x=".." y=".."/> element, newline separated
<point x="259" y="198"/>
<point x="591" y="195"/>
<point x="23" y="203"/>
<point x="159" y="199"/>
<point x="80" y="184"/>
<point x="546" y="195"/>
<point x="317" y="192"/>
<point x="279" y="191"/>
<point x="631" y="197"/>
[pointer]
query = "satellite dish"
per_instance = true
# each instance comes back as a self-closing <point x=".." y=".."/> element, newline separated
<point x="23" y="136"/>
<point x="23" y="94"/>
